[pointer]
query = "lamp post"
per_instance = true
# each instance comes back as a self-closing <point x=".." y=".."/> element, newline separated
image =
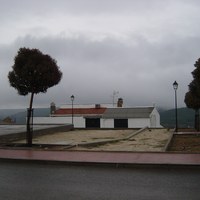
<point x="72" y="99"/>
<point x="175" y="86"/>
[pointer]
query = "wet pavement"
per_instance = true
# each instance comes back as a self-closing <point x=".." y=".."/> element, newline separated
<point x="47" y="181"/>
<point x="153" y="175"/>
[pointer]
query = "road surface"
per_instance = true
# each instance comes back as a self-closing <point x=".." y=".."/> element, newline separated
<point x="55" y="181"/>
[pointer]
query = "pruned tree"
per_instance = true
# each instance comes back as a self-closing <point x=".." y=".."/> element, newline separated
<point x="192" y="97"/>
<point x="33" y="72"/>
<point x="193" y="102"/>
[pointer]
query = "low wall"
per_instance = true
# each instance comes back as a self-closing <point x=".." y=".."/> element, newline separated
<point x="43" y="131"/>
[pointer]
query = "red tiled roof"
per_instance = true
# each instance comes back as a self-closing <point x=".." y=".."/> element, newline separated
<point x="80" y="111"/>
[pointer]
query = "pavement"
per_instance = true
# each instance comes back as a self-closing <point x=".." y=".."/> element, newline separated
<point x="94" y="157"/>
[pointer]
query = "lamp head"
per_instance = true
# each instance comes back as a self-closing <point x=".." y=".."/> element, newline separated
<point x="72" y="98"/>
<point x="175" y="85"/>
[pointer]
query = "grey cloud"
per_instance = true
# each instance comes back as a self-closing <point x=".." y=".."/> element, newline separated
<point x="77" y="6"/>
<point x="22" y="8"/>
<point x="158" y="44"/>
<point x="142" y="73"/>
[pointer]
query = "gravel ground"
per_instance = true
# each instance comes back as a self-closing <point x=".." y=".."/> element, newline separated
<point x="185" y="143"/>
<point x="147" y="140"/>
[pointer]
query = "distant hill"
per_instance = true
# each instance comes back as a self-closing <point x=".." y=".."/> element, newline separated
<point x="19" y="115"/>
<point x="4" y="113"/>
<point x="185" y="118"/>
<point x="8" y="112"/>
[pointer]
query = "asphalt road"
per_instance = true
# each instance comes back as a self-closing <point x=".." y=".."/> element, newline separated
<point x="41" y="181"/>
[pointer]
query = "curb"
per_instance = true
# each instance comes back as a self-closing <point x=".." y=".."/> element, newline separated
<point x="125" y="158"/>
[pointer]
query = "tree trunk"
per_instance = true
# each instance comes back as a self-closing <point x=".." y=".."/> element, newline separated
<point x="28" y="128"/>
<point x="196" y="119"/>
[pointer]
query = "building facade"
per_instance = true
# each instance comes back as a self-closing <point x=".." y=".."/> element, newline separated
<point x="102" y="116"/>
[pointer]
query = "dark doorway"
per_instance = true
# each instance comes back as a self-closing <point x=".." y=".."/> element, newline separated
<point x="92" y="122"/>
<point x="121" y="123"/>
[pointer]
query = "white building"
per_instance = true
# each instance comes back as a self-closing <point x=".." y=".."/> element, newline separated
<point x="102" y="116"/>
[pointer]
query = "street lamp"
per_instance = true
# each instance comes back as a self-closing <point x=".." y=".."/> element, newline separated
<point x="72" y="99"/>
<point x="175" y="86"/>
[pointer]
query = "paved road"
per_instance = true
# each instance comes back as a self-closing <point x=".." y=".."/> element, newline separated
<point x="41" y="181"/>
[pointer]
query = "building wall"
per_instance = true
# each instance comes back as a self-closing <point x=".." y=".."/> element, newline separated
<point x="51" y="120"/>
<point x="138" y="122"/>
<point x="107" y="123"/>
<point x="132" y="123"/>
<point x="155" y="119"/>
<point x="79" y="122"/>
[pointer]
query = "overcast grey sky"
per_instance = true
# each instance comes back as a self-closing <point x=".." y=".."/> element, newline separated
<point x="136" y="47"/>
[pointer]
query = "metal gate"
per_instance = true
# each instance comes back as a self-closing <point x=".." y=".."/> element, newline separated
<point x="121" y="123"/>
<point x="92" y="122"/>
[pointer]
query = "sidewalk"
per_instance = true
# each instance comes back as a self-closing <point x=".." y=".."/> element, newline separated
<point x="103" y="157"/>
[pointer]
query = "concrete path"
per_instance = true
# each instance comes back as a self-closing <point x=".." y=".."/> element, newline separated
<point x="103" y="157"/>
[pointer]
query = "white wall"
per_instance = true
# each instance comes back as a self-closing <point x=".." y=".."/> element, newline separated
<point x="107" y="123"/>
<point x="155" y="119"/>
<point x="132" y="123"/>
<point x="138" y="122"/>
<point x="50" y="120"/>
<point x="79" y="122"/>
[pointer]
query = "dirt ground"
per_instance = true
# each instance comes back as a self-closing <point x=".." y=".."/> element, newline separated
<point x="185" y="143"/>
<point x="129" y="140"/>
